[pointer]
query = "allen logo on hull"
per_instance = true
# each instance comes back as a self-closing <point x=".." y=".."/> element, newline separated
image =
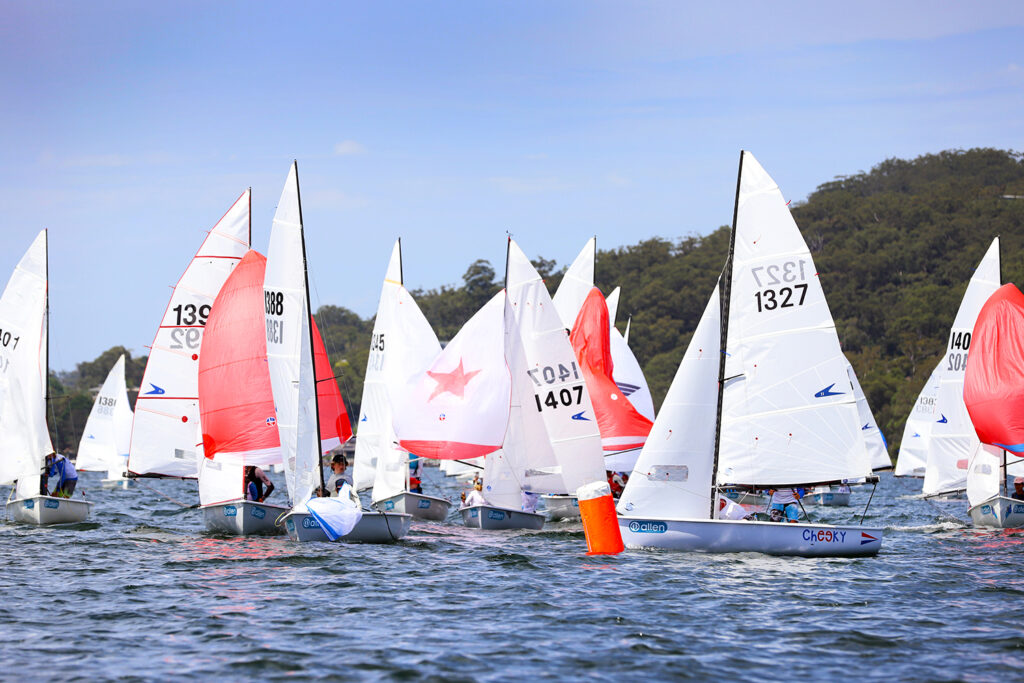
<point x="647" y="527"/>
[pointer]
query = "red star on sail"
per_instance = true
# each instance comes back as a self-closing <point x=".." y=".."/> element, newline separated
<point x="453" y="382"/>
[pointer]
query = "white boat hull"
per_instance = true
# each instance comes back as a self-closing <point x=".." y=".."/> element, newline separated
<point x="46" y="510"/>
<point x="430" y="508"/>
<point x="831" y="498"/>
<point x="561" y="507"/>
<point x="998" y="512"/>
<point x="494" y="518"/>
<point x="374" y="527"/>
<point x="243" y="518"/>
<point x="771" y="538"/>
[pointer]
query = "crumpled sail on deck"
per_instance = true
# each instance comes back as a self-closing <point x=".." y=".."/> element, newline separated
<point x="289" y="347"/>
<point x="913" y="454"/>
<point x="402" y="346"/>
<point x="789" y="414"/>
<point x="672" y="476"/>
<point x="576" y="284"/>
<point x="622" y="426"/>
<point x="994" y="382"/>
<point x="166" y="434"/>
<point x="335" y="427"/>
<point x="953" y="440"/>
<point x="24" y="436"/>
<point x="108" y="431"/>
<point x="458" y="409"/>
<point x="236" y="403"/>
<point x="557" y="416"/>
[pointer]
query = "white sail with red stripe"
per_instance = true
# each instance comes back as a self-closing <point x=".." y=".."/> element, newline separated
<point x="166" y="437"/>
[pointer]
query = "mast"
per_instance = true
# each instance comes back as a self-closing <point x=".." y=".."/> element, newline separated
<point x="726" y="287"/>
<point x="401" y="268"/>
<point x="508" y="248"/>
<point x="309" y="325"/>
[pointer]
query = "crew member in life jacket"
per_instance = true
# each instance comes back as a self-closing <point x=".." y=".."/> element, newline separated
<point x="785" y="502"/>
<point x="58" y="466"/>
<point x="255" y="481"/>
<point x="339" y="475"/>
<point x="475" y="497"/>
<point x="415" y="471"/>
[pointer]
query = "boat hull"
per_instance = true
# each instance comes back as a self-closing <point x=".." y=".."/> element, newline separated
<point x="430" y="508"/>
<point x="561" y="507"/>
<point x="830" y="498"/>
<point x="493" y="518"/>
<point x="771" y="538"/>
<point x="374" y="527"/>
<point x="998" y="512"/>
<point x="243" y="518"/>
<point x="747" y="498"/>
<point x="46" y="510"/>
<point x="118" y="483"/>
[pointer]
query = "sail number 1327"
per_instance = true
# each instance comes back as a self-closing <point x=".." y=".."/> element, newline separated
<point x="780" y="285"/>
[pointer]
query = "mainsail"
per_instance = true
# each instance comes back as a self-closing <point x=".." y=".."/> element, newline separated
<point x="166" y="436"/>
<point x="576" y="284"/>
<point x="789" y="414"/>
<point x="108" y="431"/>
<point x="24" y="436"/>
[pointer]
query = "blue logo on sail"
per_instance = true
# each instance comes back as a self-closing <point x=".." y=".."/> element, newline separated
<point x="155" y="391"/>
<point x="827" y="391"/>
<point x="943" y="420"/>
<point x="579" y="416"/>
<point x="648" y="527"/>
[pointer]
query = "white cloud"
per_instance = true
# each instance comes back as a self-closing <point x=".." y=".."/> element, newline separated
<point x="348" y="148"/>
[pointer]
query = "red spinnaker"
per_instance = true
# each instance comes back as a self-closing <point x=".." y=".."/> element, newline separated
<point x="994" y="381"/>
<point x="236" y="404"/>
<point x="622" y="427"/>
<point x="335" y="427"/>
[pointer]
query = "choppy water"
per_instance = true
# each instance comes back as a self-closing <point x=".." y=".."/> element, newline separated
<point x="142" y="592"/>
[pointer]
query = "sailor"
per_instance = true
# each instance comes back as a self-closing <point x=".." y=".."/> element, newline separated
<point x="1018" y="489"/>
<point x="255" y="481"/>
<point x="58" y="466"/>
<point x="617" y="482"/>
<point x="530" y="501"/>
<point x="339" y="474"/>
<point x="785" y="501"/>
<point x="475" y="497"/>
<point x="415" y="472"/>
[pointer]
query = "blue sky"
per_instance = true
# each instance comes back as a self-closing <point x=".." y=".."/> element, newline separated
<point x="130" y="127"/>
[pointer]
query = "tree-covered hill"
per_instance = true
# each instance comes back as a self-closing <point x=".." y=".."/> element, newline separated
<point x="894" y="248"/>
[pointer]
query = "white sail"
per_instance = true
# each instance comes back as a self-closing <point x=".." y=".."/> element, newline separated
<point x="953" y="439"/>
<point x="166" y="436"/>
<point x="612" y="300"/>
<point x="289" y="346"/>
<point x="108" y="431"/>
<point x="672" y="476"/>
<point x="874" y="440"/>
<point x="555" y="389"/>
<point x="789" y="414"/>
<point x="576" y="284"/>
<point x="984" y="472"/>
<point x="402" y="347"/>
<point x="917" y="432"/>
<point x="24" y="436"/>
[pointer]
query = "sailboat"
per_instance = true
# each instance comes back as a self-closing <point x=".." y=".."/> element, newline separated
<point x="24" y="361"/>
<point x="290" y="355"/>
<point x="938" y="439"/>
<point x="236" y="405"/>
<point x="402" y="346"/>
<point x="994" y="397"/>
<point x="761" y="399"/>
<point x="166" y="439"/>
<point x="108" y="431"/>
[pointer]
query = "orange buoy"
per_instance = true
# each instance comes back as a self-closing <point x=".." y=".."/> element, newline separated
<point x="600" y="524"/>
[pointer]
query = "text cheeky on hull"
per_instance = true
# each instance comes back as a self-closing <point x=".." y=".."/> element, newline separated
<point x="762" y="399"/>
